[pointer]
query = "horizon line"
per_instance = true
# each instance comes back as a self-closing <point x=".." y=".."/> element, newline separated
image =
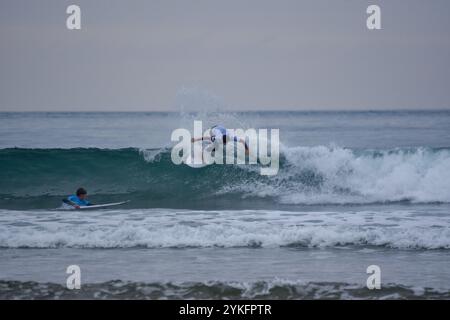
<point x="232" y="111"/>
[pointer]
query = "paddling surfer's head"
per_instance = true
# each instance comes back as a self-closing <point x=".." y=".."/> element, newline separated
<point x="81" y="193"/>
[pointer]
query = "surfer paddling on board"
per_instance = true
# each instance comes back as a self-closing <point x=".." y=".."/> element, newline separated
<point x="219" y="133"/>
<point x="78" y="200"/>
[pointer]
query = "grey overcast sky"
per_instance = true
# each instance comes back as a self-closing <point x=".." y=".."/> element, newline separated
<point x="254" y="54"/>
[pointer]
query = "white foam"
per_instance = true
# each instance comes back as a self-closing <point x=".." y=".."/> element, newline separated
<point x="182" y="228"/>
<point x="324" y="175"/>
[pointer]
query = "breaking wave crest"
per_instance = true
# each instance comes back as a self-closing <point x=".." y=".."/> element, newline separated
<point x="38" y="178"/>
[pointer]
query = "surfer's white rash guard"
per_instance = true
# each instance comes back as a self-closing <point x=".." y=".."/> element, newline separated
<point x="219" y="133"/>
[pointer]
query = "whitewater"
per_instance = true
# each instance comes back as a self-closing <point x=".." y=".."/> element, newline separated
<point x="169" y="228"/>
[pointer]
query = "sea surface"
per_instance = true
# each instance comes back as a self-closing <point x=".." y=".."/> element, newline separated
<point x="354" y="189"/>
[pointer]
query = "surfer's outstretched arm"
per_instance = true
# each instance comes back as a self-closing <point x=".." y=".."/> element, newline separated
<point x="199" y="139"/>
<point x="244" y="143"/>
<point x="70" y="203"/>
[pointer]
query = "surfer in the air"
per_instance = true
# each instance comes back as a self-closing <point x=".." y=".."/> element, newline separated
<point x="219" y="133"/>
<point x="78" y="200"/>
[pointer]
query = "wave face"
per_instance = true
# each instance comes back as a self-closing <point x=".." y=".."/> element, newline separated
<point x="38" y="178"/>
<point x="275" y="289"/>
<point x="170" y="228"/>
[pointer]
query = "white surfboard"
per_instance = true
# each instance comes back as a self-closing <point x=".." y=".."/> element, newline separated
<point x="195" y="159"/>
<point x="191" y="162"/>
<point x="105" y="205"/>
<point x="66" y="206"/>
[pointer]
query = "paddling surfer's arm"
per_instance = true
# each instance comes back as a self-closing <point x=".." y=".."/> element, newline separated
<point x="73" y="204"/>
<point x="70" y="203"/>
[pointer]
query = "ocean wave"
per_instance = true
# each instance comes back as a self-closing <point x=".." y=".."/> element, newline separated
<point x="162" y="228"/>
<point x="334" y="175"/>
<point x="274" y="289"/>
<point x="33" y="178"/>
